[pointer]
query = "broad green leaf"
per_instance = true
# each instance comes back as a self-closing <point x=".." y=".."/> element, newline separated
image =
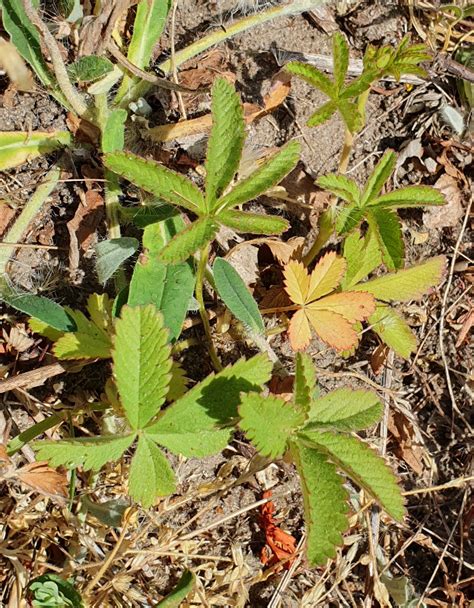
<point x="253" y="223"/>
<point x="88" y="342"/>
<point x="89" y="68"/>
<point x="382" y="171"/>
<point x="268" y="422"/>
<point x="156" y="211"/>
<point x="90" y="453"/>
<point x="189" y="241"/>
<point x="351" y="115"/>
<point x="168" y="287"/>
<point x="322" y="114"/>
<point x="305" y="382"/>
<point x="313" y="76"/>
<point x="411" y="196"/>
<point x="150" y="473"/>
<point x="113" y="135"/>
<point x="388" y="231"/>
<point x="111" y="254"/>
<point x="393" y="330"/>
<point x="18" y="147"/>
<point x="236" y="296"/>
<point x="325" y="503"/>
<point x="363" y="466"/>
<point x="226" y="140"/>
<point x="269" y="174"/>
<point x="341" y="186"/>
<point x="142" y="363"/>
<point x="26" y="39"/>
<point x="148" y="26"/>
<point x="191" y="425"/>
<point x="362" y="255"/>
<point x="39" y="327"/>
<point x="340" y="53"/>
<point x="344" y="409"/>
<point x="176" y="597"/>
<point x="41" y="308"/>
<point x="348" y="217"/>
<point x="405" y="285"/>
<point x="157" y="179"/>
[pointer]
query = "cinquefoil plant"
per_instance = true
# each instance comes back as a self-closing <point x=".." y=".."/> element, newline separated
<point x="316" y="432"/>
<point x="191" y="426"/>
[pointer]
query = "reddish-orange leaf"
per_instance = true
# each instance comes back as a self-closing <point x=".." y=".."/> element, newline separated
<point x="333" y="329"/>
<point x="352" y="305"/>
<point x="326" y="276"/>
<point x="299" y="330"/>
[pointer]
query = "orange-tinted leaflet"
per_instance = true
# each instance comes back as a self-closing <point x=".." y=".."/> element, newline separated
<point x="280" y="545"/>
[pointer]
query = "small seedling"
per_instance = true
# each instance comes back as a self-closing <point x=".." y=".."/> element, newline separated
<point x="316" y="434"/>
<point x="378" y="209"/>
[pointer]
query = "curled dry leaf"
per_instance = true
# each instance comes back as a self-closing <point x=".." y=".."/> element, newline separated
<point x="83" y="225"/>
<point x="280" y="545"/>
<point x="43" y="479"/>
<point x="445" y="216"/>
<point x="331" y="315"/>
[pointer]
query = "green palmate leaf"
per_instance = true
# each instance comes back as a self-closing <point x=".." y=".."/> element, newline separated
<point x="52" y="591"/>
<point x="39" y="327"/>
<point x="168" y="287"/>
<point x="142" y="363"/>
<point x="269" y="174"/>
<point x="26" y="39"/>
<point x="18" y="147"/>
<point x="90" y="343"/>
<point x="393" y="330"/>
<point x="325" y="503"/>
<point x="178" y="382"/>
<point x="191" y="425"/>
<point x="351" y="115"/>
<point x="412" y="196"/>
<point x="362" y="255"/>
<point x="188" y="241"/>
<point x="408" y="284"/>
<point x="155" y="211"/>
<point x="345" y="410"/>
<point x="90" y="453"/>
<point x="341" y="186"/>
<point x="89" y="68"/>
<point x="157" y="179"/>
<point x="322" y="114"/>
<point x="42" y="309"/>
<point x="254" y="223"/>
<point x="226" y="141"/>
<point x="236" y="296"/>
<point x="184" y="587"/>
<point x="305" y="382"/>
<point x="388" y="232"/>
<point x="269" y="422"/>
<point x="363" y="466"/>
<point x="147" y="29"/>
<point x="340" y="53"/>
<point x="348" y="218"/>
<point x="382" y="171"/>
<point x="113" y="135"/>
<point x="150" y="473"/>
<point x="313" y="76"/>
<point x="111" y="254"/>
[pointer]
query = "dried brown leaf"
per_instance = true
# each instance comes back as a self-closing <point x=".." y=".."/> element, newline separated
<point x="43" y="479"/>
<point x="445" y="216"/>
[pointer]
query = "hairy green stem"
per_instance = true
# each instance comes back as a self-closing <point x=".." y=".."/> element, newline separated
<point x="200" y="274"/>
<point x="240" y="26"/>
<point x="29" y="212"/>
<point x="73" y="97"/>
